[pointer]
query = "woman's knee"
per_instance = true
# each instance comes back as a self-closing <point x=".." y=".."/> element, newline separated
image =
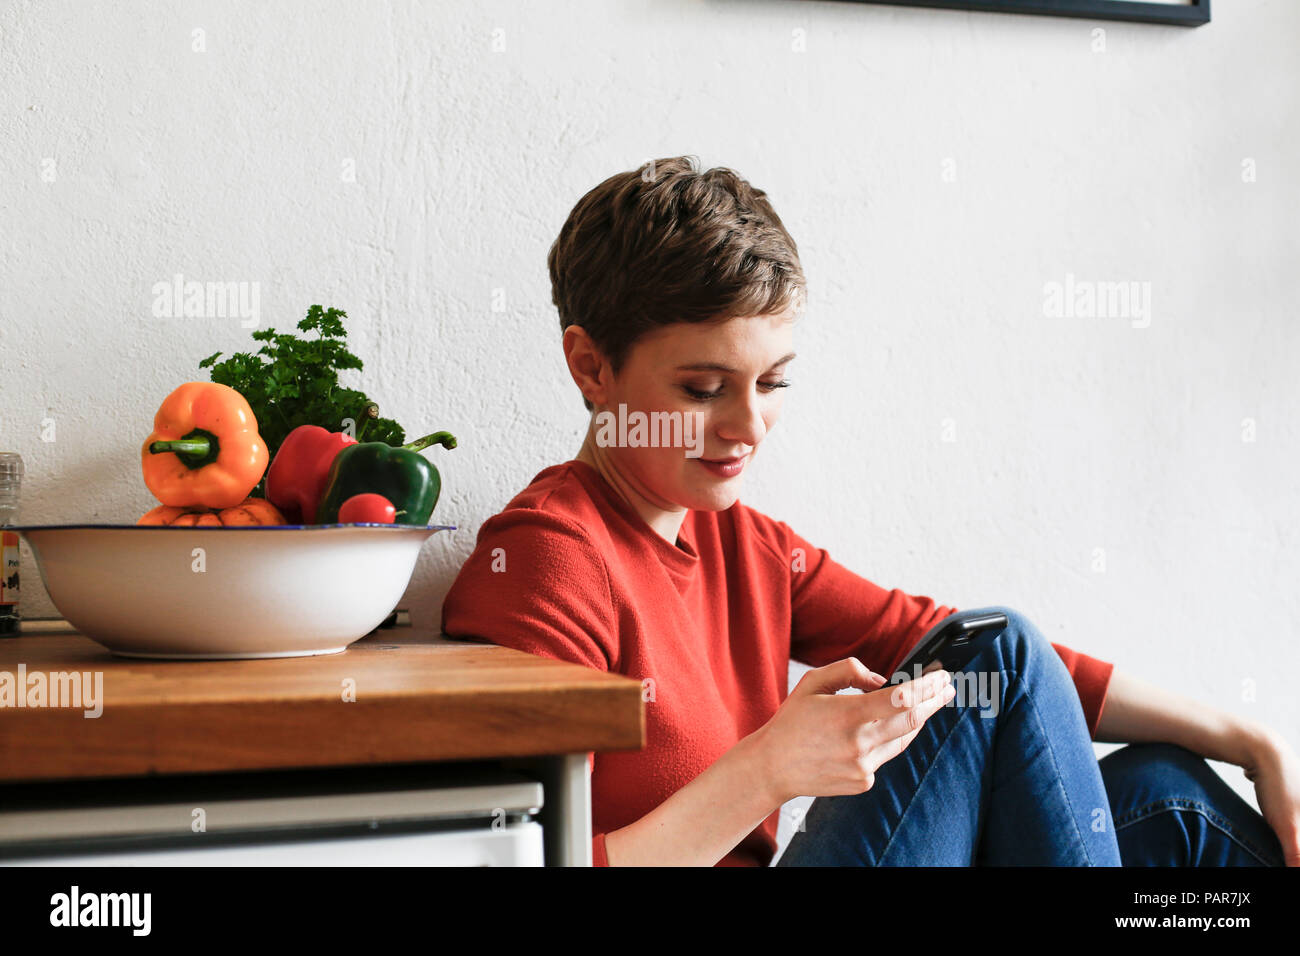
<point x="1165" y="796"/>
<point x="1143" y="776"/>
<point x="1022" y="661"/>
<point x="1020" y="642"/>
<point x="1157" y="770"/>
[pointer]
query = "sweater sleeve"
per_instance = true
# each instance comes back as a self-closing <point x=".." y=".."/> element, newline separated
<point x="836" y="613"/>
<point x="535" y="582"/>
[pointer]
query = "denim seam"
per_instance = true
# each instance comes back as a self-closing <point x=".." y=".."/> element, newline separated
<point x="1176" y="804"/>
<point x="920" y="783"/>
<point x="1164" y="802"/>
<point x="1083" y="843"/>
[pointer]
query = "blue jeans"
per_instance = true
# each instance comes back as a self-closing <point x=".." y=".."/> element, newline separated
<point x="1005" y="775"/>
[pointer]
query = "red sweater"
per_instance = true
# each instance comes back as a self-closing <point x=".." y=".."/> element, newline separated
<point x="713" y="621"/>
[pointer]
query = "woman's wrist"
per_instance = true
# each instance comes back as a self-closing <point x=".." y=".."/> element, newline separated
<point x="1257" y="742"/>
<point x="754" y="753"/>
<point x="1243" y="741"/>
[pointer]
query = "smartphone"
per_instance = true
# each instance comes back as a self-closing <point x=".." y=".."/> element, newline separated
<point x="953" y="642"/>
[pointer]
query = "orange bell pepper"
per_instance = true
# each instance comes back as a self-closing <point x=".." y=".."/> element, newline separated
<point x="205" y="450"/>
<point x="250" y="511"/>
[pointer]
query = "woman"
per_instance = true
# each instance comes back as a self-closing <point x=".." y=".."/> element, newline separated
<point x="677" y="292"/>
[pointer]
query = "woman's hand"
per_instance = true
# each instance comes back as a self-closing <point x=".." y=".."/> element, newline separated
<point x="1274" y="769"/>
<point x="820" y="744"/>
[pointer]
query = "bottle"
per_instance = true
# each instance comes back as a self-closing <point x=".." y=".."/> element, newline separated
<point x="11" y="476"/>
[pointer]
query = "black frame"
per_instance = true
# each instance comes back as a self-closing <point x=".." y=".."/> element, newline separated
<point x="1191" y="14"/>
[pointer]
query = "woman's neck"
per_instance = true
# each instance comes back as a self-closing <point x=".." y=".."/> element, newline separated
<point x="666" y="524"/>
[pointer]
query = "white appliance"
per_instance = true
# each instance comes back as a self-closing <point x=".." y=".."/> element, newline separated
<point x="426" y="815"/>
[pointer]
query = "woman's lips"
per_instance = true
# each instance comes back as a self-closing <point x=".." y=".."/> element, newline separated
<point x="725" y="467"/>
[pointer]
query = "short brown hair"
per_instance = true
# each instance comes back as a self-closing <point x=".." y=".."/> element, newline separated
<point x="666" y="243"/>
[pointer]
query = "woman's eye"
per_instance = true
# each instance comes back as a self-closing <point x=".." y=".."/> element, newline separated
<point x="699" y="395"/>
<point x="703" y="396"/>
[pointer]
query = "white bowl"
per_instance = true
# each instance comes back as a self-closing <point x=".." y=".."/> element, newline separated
<point x="228" y="592"/>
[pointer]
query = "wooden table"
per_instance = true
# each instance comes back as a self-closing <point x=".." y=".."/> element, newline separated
<point x="418" y="698"/>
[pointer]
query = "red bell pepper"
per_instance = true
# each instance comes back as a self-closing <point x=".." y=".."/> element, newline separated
<point x="296" y="479"/>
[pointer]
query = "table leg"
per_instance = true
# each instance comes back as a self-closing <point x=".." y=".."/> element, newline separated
<point x="566" y="810"/>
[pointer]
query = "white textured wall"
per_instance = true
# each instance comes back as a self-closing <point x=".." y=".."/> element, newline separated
<point x="1072" y="434"/>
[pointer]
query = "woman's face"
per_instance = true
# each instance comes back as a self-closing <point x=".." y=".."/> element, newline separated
<point x="725" y="379"/>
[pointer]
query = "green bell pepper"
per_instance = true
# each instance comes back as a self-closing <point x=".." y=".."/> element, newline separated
<point x="399" y="473"/>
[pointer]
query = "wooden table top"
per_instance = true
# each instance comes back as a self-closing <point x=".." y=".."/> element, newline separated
<point x="418" y="697"/>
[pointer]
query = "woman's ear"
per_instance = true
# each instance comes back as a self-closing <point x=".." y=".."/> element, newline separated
<point x="587" y="365"/>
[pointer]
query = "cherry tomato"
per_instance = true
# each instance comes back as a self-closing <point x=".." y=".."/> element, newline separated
<point x="367" y="508"/>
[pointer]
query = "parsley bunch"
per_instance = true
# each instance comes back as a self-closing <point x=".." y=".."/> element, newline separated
<point x="299" y="383"/>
